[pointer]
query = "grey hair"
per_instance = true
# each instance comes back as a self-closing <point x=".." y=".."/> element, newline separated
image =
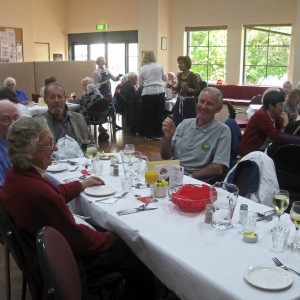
<point x="8" y="79"/>
<point x="213" y="91"/>
<point x="23" y="136"/>
<point x="288" y="83"/>
<point x="131" y="75"/>
<point x="89" y="80"/>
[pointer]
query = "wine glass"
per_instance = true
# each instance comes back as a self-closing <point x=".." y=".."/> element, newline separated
<point x="151" y="177"/>
<point x="281" y="202"/>
<point x="91" y="151"/>
<point x="129" y="150"/>
<point x="295" y="217"/>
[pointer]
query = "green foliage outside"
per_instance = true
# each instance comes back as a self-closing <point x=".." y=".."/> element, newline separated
<point x="266" y="56"/>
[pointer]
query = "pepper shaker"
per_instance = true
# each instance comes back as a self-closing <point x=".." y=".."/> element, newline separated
<point x="209" y="209"/>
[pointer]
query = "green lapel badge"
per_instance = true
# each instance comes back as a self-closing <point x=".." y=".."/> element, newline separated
<point x="205" y="147"/>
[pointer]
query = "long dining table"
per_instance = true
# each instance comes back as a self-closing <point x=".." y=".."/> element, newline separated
<point x="190" y="257"/>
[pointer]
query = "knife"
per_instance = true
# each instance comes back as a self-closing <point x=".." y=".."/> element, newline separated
<point x="133" y="210"/>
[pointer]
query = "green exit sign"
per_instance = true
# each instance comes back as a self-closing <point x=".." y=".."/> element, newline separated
<point x="101" y="27"/>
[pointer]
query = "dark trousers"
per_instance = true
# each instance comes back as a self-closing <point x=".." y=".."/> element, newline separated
<point x="139" y="279"/>
<point x="153" y="112"/>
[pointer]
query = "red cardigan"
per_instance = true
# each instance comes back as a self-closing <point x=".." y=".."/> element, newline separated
<point x="259" y="128"/>
<point x="33" y="202"/>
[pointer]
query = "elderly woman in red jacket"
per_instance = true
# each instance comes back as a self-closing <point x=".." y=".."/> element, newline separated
<point x="33" y="202"/>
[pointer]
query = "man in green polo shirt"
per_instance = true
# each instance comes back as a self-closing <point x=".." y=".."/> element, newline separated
<point x="201" y="144"/>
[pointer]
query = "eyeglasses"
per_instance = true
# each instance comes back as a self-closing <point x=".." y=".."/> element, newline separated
<point x="51" y="146"/>
<point x="7" y="120"/>
<point x="59" y="97"/>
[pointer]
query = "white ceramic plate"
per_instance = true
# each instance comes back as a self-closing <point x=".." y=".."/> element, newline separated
<point x="57" y="168"/>
<point x="268" y="278"/>
<point x="99" y="190"/>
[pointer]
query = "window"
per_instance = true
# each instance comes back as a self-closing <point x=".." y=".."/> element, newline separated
<point x="207" y="48"/>
<point x="266" y="54"/>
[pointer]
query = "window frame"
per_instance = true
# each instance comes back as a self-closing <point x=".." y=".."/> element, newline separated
<point x="205" y="76"/>
<point x="269" y="49"/>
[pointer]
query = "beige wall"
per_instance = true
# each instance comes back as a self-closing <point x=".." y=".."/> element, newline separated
<point x="50" y="22"/>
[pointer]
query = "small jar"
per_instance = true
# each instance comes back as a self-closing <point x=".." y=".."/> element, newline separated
<point x="243" y="212"/>
<point x="209" y="209"/>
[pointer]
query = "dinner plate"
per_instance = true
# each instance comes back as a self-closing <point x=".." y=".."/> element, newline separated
<point x="268" y="278"/>
<point x="99" y="190"/>
<point x="57" y="168"/>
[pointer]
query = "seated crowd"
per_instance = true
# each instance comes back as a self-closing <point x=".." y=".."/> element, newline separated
<point x="202" y="144"/>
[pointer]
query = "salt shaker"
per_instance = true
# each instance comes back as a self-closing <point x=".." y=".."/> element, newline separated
<point x="243" y="212"/>
<point x="209" y="209"/>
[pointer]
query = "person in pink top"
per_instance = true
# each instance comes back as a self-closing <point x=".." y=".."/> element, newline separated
<point x="264" y="125"/>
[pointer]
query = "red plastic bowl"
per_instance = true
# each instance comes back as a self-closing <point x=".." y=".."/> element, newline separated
<point x="191" y="197"/>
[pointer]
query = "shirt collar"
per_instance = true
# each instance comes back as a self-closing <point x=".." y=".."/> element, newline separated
<point x="41" y="171"/>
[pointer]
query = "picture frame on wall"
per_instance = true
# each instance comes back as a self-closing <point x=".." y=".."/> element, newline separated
<point x="57" y="57"/>
<point x="164" y="43"/>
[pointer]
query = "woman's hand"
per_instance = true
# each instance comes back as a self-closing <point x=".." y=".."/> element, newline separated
<point x="93" y="180"/>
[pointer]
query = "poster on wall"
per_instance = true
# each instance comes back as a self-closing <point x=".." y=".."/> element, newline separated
<point x="11" y="48"/>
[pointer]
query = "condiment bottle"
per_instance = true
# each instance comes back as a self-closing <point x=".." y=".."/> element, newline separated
<point x="209" y="209"/>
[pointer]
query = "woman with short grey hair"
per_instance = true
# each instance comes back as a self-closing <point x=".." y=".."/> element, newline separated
<point x="23" y="138"/>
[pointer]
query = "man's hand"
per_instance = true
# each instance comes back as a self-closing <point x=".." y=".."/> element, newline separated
<point x="168" y="127"/>
<point x="93" y="180"/>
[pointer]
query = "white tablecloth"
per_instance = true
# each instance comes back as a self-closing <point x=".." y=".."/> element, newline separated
<point x="252" y="109"/>
<point x="38" y="109"/>
<point x="188" y="256"/>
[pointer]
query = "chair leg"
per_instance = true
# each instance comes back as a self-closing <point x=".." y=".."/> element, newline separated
<point x="24" y="286"/>
<point x="7" y="272"/>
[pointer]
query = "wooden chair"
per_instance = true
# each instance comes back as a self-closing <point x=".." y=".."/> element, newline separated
<point x="60" y="269"/>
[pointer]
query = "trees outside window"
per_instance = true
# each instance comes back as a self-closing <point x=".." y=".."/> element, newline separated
<point x="207" y="48"/>
<point x="266" y="54"/>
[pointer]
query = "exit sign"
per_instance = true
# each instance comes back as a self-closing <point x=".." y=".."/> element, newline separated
<point x="101" y="27"/>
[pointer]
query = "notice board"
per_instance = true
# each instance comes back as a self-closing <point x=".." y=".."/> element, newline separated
<point x="11" y="45"/>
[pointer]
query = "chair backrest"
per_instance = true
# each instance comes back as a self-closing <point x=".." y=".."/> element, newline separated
<point x="120" y="103"/>
<point x="268" y="182"/>
<point x="256" y="99"/>
<point x="231" y="110"/>
<point x="245" y="177"/>
<point x="10" y="238"/>
<point x="58" y="265"/>
<point x="236" y="137"/>
<point x="287" y="163"/>
<point x="99" y="108"/>
<point x="281" y="140"/>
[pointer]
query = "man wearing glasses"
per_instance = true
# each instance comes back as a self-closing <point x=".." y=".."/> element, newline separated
<point x="8" y="114"/>
<point x="60" y="121"/>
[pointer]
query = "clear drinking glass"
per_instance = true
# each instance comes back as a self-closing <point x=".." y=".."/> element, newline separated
<point x="295" y="217"/>
<point x="151" y="177"/>
<point x="281" y="202"/>
<point x="91" y="151"/>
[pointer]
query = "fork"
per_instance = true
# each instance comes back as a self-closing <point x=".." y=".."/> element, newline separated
<point x="121" y="196"/>
<point x="281" y="265"/>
